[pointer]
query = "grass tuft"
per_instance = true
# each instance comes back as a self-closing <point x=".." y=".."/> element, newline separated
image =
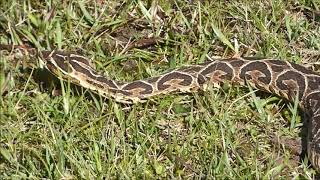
<point x="49" y="129"/>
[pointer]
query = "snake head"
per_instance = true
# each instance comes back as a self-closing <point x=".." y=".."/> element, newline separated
<point x="60" y="64"/>
<point x="56" y="62"/>
<point x="66" y="65"/>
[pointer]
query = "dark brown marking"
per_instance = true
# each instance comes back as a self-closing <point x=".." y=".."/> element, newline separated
<point x="245" y="73"/>
<point x="81" y="69"/>
<point x="152" y="80"/>
<point x="303" y="69"/>
<point x="237" y="63"/>
<point x="62" y="62"/>
<point x="106" y="81"/>
<point x="208" y="62"/>
<point x="253" y="58"/>
<point x="95" y="84"/>
<point x="92" y="74"/>
<point x="137" y="85"/>
<point x="313" y="83"/>
<point x="201" y="79"/>
<point x="218" y="65"/>
<point x="276" y="68"/>
<point x="278" y="62"/>
<point x="125" y="93"/>
<point x="313" y="102"/>
<point x="45" y="55"/>
<point x="297" y="86"/>
<point x="186" y="80"/>
<point x="313" y="105"/>
<point x="191" y="69"/>
<point x="80" y="59"/>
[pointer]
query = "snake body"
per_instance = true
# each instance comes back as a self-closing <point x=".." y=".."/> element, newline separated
<point x="288" y="80"/>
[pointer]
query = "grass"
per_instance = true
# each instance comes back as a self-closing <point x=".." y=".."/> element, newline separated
<point x="224" y="133"/>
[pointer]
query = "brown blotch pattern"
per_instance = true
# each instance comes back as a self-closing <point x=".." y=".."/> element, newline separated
<point x="191" y="69"/>
<point x="186" y="80"/>
<point x="278" y="63"/>
<point x="108" y="82"/>
<point x="221" y="66"/>
<point x="236" y="63"/>
<point x="152" y="80"/>
<point x="148" y="89"/>
<point x="303" y="69"/>
<point x="93" y="75"/>
<point x="298" y="86"/>
<point x="256" y="66"/>
<point x="313" y="83"/>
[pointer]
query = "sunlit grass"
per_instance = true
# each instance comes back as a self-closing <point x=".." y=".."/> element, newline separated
<point x="222" y="133"/>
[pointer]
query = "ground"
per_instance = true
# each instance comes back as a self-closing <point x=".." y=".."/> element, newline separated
<point x="50" y="129"/>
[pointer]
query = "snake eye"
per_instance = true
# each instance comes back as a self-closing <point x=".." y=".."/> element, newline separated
<point x="62" y="62"/>
<point x="45" y="56"/>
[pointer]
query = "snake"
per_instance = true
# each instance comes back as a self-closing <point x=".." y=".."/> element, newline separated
<point x="285" y="79"/>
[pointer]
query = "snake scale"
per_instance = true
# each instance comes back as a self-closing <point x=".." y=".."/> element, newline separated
<point x="288" y="80"/>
